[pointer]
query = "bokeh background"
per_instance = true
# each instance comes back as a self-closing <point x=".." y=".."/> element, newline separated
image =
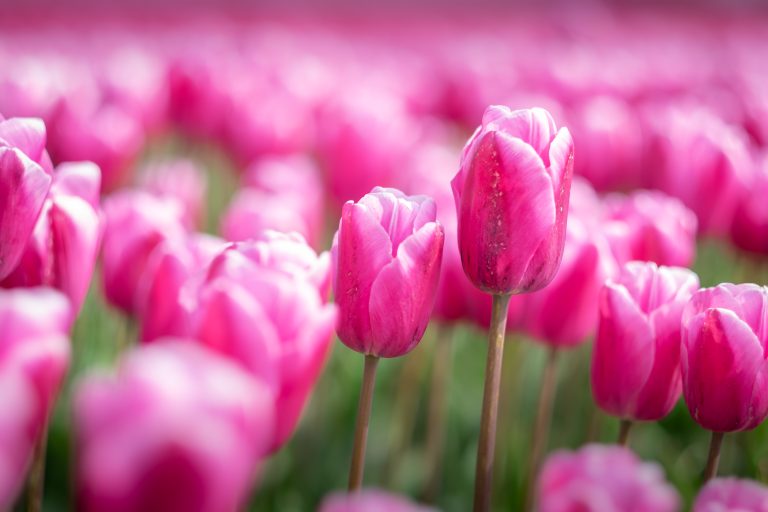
<point x="229" y="83"/>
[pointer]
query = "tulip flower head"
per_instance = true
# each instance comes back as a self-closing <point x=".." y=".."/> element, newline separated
<point x="603" y="478"/>
<point x="370" y="500"/>
<point x="724" y="363"/>
<point x="732" y="495"/>
<point x="636" y="358"/>
<point x="511" y="194"/>
<point x="387" y="255"/>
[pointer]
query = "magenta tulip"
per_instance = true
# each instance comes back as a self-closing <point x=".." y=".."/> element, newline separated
<point x="63" y="249"/>
<point x="732" y="495"/>
<point x="177" y="429"/>
<point x="24" y="185"/>
<point x="387" y="256"/>
<point x="370" y="500"/>
<point x="603" y="479"/>
<point x="650" y="226"/>
<point x="136" y="223"/>
<point x="724" y="366"/>
<point x="181" y="179"/>
<point x="19" y="420"/>
<point x="511" y="197"/>
<point x="636" y="358"/>
<point x="749" y="231"/>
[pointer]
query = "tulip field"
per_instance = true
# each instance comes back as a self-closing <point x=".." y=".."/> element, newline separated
<point x="373" y="260"/>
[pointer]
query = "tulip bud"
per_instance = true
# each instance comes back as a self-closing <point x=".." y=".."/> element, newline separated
<point x="370" y="500"/>
<point x="387" y="255"/>
<point x="511" y="195"/>
<point x="732" y="494"/>
<point x="24" y="185"/>
<point x="600" y="478"/>
<point x="636" y="359"/>
<point x="724" y="367"/>
<point x="136" y="223"/>
<point x="63" y="249"/>
<point x="177" y="429"/>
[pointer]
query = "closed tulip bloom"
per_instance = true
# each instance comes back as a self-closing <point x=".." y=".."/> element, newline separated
<point x="725" y="372"/>
<point x="749" y="230"/>
<point x="603" y="479"/>
<point x="636" y="358"/>
<point x="511" y="195"/>
<point x="24" y="185"/>
<point x="732" y="495"/>
<point x="370" y="500"/>
<point x="650" y="226"/>
<point x="574" y="291"/>
<point x="63" y="249"/>
<point x="177" y="429"/>
<point x="136" y="223"/>
<point x="387" y="255"/>
<point x="181" y="179"/>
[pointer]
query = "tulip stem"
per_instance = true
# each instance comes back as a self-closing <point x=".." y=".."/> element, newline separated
<point x="441" y="371"/>
<point x="486" y="444"/>
<point x="624" y="427"/>
<point x="361" y="424"/>
<point x="714" y="456"/>
<point x="36" y="478"/>
<point x="541" y="426"/>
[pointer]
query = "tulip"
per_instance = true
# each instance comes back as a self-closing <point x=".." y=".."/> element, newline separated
<point x="387" y="255"/>
<point x="636" y="358"/>
<point x="24" y="185"/>
<point x="34" y="356"/>
<point x="370" y="500"/>
<point x="724" y="364"/>
<point x="650" y="226"/>
<point x="63" y="249"/>
<point x="603" y="478"/>
<point x="749" y="230"/>
<point x="724" y="494"/>
<point x="136" y="223"/>
<point x="177" y="429"/>
<point x="511" y="194"/>
<point x="181" y="179"/>
<point x="511" y="197"/>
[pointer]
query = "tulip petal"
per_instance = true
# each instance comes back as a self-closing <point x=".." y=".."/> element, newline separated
<point x="26" y="134"/>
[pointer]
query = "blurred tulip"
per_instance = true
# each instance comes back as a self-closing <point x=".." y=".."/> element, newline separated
<point x="253" y="211"/>
<point x="177" y="429"/>
<point x="24" y="186"/>
<point x="136" y="223"/>
<point x="19" y="419"/>
<point x="511" y="197"/>
<point x="636" y="358"/>
<point x="171" y="265"/>
<point x="370" y="500"/>
<point x="573" y="292"/>
<point x="181" y="179"/>
<point x="63" y="249"/>
<point x="387" y="255"/>
<point x="731" y="494"/>
<point x="601" y="479"/>
<point x="650" y="226"/>
<point x="749" y="231"/>
<point x="724" y="367"/>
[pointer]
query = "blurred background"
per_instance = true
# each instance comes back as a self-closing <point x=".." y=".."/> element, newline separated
<point x="664" y="95"/>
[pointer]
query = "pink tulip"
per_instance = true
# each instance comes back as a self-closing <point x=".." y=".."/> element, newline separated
<point x="636" y="358"/>
<point x="370" y="500"/>
<point x="511" y="197"/>
<point x="574" y="291"/>
<point x="650" y="226"/>
<point x="387" y="255"/>
<point x="24" y="184"/>
<point x="20" y="417"/>
<point x="136" y="223"/>
<point x="724" y="367"/>
<point x="603" y="479"/>
<point x="181" y="179"/>
<point x="177" y="429"/>
<point x="732" y="495"/>
<point x="175" y="261"/>
<point x="749" y="231"/>
<point x="63" y="249"/>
